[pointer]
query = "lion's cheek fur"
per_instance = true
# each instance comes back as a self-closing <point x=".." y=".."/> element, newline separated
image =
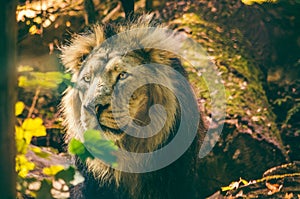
<point x="70" y="103"/>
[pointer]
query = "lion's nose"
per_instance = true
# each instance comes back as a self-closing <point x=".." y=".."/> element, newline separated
<point x="104" y="90"/>
<point x="102" y="96"/>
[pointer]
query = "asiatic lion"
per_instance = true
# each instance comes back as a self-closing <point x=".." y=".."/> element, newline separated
<point x="103" y="71"/>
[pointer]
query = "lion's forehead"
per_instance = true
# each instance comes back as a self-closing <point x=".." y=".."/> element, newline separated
<point x="106" y="62"/>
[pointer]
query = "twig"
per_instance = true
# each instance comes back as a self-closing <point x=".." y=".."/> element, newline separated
<point x="34" y="101"/>
<point x="109" y="15"/>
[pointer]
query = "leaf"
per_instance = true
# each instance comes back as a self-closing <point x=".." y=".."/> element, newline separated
<point x="250" y="2"/>
<point x="47" y="80"/>
<point x="67" y="77"/>
<point x="228" y="188"/>
<point x="23" y="166"/>
<point x="21" y="141"/>
<point x="45" y="190"/>
<point x="77" y="148"/>
<point x="38" y="151"/>
<point x="245" y="182"/>
<point x="22" y="81"/>
<point x="274" y="188"/>
<point x="99" y="147"/>
<point x="33" y="30"/>
<point x="52" y="170"/>
<point x="38" y="20"/>
<point x="19" y="107"/>
<point x="25" y="69"/>
<point x="67" y="175"/>
<point x="34" y="127"/>
<point x="232" y="186"/>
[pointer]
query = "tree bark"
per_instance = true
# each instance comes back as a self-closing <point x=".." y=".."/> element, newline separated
<point x="128" y="6"/>
<point x="250" y="142"/>
<point x="7" y="99"/>
<point x="90" y="11"/>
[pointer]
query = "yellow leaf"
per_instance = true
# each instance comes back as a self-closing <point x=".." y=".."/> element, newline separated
<point x="38" y="20"/>
<point x="33" y="30"/>
<point x="248" y="2"/>
<point x="19" y="133"/>
<point x="21" y="143"/>
<point x="25" y="68"/>
<point x="19" y="107"/>
<point x="36" y="149"/>
<point x="23" y="166"/>
<point x="245" y="182"/>
<point x="34" y="127"/>
<point x="22" y="81"/>
<point x="52" y="170"/>
<point x="232" y="186"/>
<point x="227" y="188"/>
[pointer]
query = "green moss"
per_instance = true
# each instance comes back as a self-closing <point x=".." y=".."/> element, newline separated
<point x="245" y="95"/>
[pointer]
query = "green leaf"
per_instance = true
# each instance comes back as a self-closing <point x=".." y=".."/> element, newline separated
<point x="99" y="147"/>
<point x="67" y="175"/>
<point x="77" y="148"/>
<point x="67" y="77"/>
<point x="45" y="190"/>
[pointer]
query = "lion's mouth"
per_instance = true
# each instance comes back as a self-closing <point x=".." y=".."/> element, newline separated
<point x="104" y="122"/>
<point x="99" y="110"/>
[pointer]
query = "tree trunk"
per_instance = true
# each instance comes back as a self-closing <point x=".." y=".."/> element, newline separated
<point x="90" y="12"/>
<point x="128" y="6"/>
<point x="250" y="142"/>
<point x="7" y="98"/>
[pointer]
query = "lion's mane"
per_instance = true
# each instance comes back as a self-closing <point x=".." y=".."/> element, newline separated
<point x="85" y="51"/>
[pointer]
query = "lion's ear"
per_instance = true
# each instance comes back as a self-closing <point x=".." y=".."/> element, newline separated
<point x="80" y="47"/>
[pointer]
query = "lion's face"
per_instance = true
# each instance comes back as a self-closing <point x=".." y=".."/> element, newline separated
<point x="104" y="78"/>
<point x="115" y="90"/>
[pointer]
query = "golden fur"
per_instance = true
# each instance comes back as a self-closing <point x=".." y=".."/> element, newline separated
<point x="81" y="57"/>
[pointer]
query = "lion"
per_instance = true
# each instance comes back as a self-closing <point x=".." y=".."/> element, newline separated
<point x="105" y="73"/>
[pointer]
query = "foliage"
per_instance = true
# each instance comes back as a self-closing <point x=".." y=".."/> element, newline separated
<point x="46" y="80"/>
<point x="94" y="146"/>
<point x="54" y="180"/>
<point x="26" y="185"/>
<point x="24" y="133"/>
<point x="250" y="2"/>
<point x="295" y="109"/>
<point x="235" y="185"/>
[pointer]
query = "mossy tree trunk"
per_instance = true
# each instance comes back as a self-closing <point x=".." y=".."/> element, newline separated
<point x="7" y="98"/>
<point x="250" y="142"/>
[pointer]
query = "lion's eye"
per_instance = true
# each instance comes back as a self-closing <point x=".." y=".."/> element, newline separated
<point x="87" y="78"/>
<point x="123" y="75"/>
